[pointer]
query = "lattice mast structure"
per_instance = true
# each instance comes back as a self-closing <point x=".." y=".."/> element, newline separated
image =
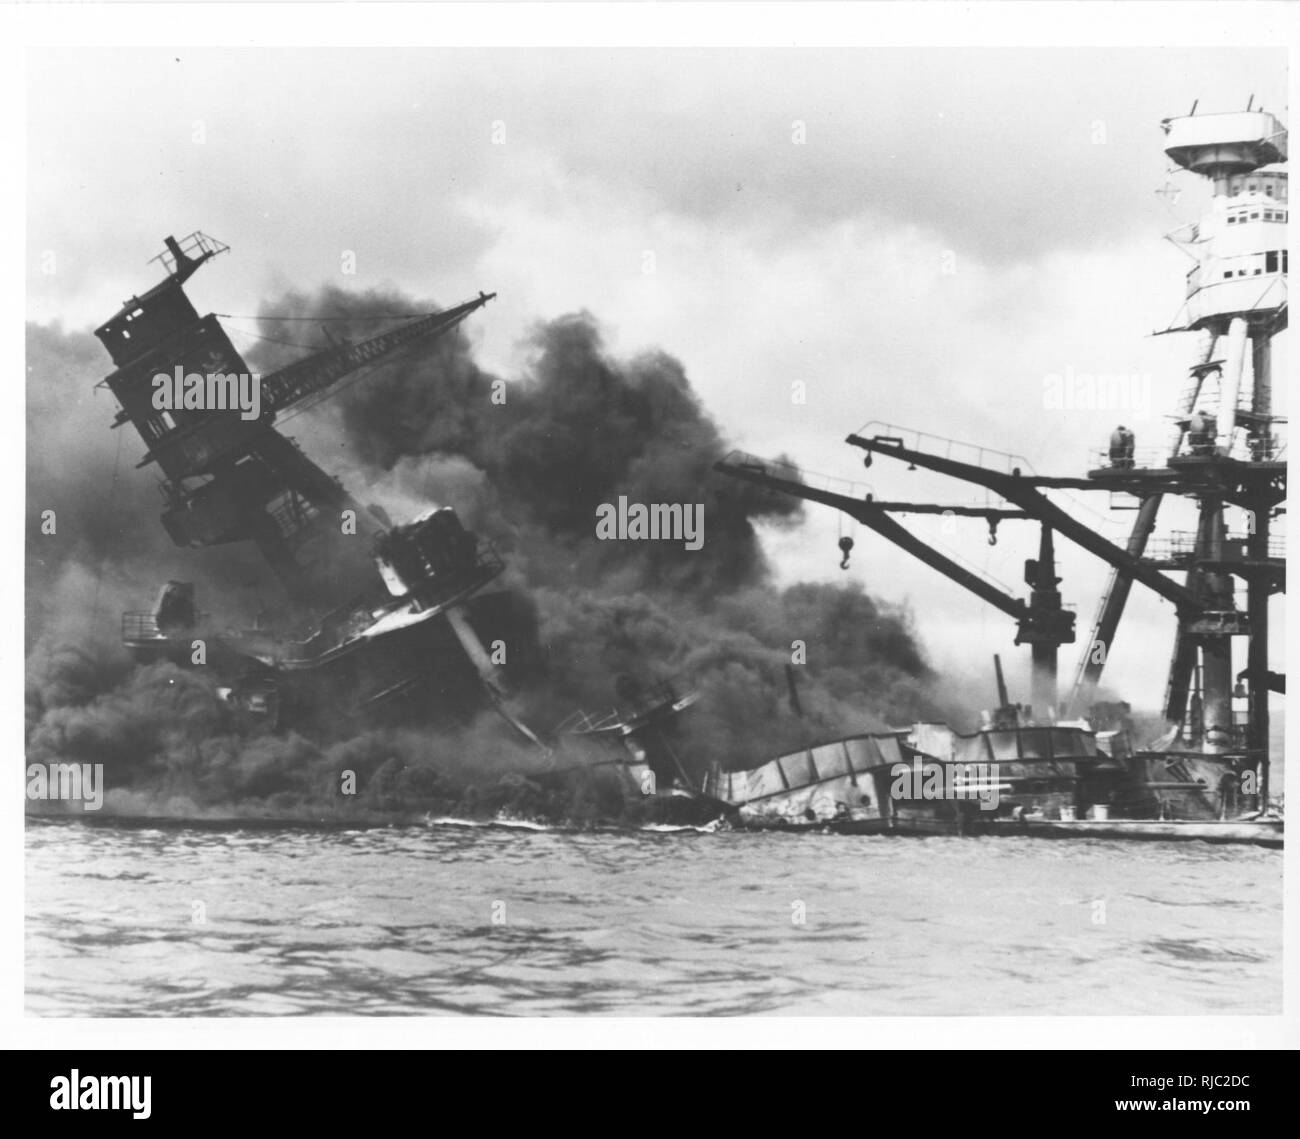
<point x="1226" y="451"/>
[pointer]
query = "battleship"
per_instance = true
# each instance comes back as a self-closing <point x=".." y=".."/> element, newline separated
<point x="385" y="623"/>
<point x="391" y="622"/>
<point x="1072" y="767"/>
<point x="382" y="619"/>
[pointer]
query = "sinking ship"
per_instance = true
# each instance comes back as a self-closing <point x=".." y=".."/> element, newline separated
<point x="1073" y="767"/>
<point x="380" y="618"/>
<point x="382" y="622"/>
<point x="395" y="619"/>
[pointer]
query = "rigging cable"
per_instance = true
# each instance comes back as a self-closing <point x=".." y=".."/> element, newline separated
<point x="319" y="319"/>
<point x="273" y="340"/>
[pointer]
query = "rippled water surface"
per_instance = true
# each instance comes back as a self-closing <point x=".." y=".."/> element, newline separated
<point x="182" y="921"/>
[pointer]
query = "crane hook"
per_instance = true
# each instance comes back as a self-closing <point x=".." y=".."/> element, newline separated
<point x="846" y="545"/>
<point x="993" y="531"/>
<point x="866" y="460"/>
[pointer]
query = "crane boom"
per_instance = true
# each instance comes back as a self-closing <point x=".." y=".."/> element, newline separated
<point x="228" y="474"/>
<point x="873" y="515"/>
<point x="1043" y="623"/>
<point x="318" y="372"/>
<point x="1021" y="491"/>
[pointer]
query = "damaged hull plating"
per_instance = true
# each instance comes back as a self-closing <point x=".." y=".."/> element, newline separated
<point x="1039" y="781"/>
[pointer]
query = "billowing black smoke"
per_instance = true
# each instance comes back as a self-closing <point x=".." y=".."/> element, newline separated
<point x="526" y="461"/>
<point x="578" y="430"/>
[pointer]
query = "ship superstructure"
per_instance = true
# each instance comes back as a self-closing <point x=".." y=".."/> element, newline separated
<point x="1226" y="453"/>
<point x="378" y="616"/>
<point x="1226" y="458"/>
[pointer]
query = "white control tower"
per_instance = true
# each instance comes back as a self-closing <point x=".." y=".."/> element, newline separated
<point x="1237" y="298"/>
<point x="1237" y="292"/>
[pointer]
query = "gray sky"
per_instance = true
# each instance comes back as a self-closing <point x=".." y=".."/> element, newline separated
<point x="549" y="175"/>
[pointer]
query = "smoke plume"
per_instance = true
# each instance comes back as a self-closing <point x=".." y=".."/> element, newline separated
<point x="525" y="460"/>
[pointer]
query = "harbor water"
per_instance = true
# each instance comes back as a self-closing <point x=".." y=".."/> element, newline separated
<point x="166" y="920"/>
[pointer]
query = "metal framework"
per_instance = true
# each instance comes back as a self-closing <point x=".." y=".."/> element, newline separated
<point x="1236" y="296"/>
<point x="229" y="479"/>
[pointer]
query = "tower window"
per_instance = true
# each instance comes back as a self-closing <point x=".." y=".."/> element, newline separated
<point x="1232" y="219"/>
<point x="1270" y="262"/>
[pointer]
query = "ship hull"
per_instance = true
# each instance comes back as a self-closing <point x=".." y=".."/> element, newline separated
<point x="881" y="783"/>
<point x="1184" y="785"/>
<point x="1267" y="832"/>
<point x="1048" y="781"/>
<point x="413" y="674"/>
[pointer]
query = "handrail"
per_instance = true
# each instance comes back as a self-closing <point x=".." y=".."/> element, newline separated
<point x="953" y="449"/>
